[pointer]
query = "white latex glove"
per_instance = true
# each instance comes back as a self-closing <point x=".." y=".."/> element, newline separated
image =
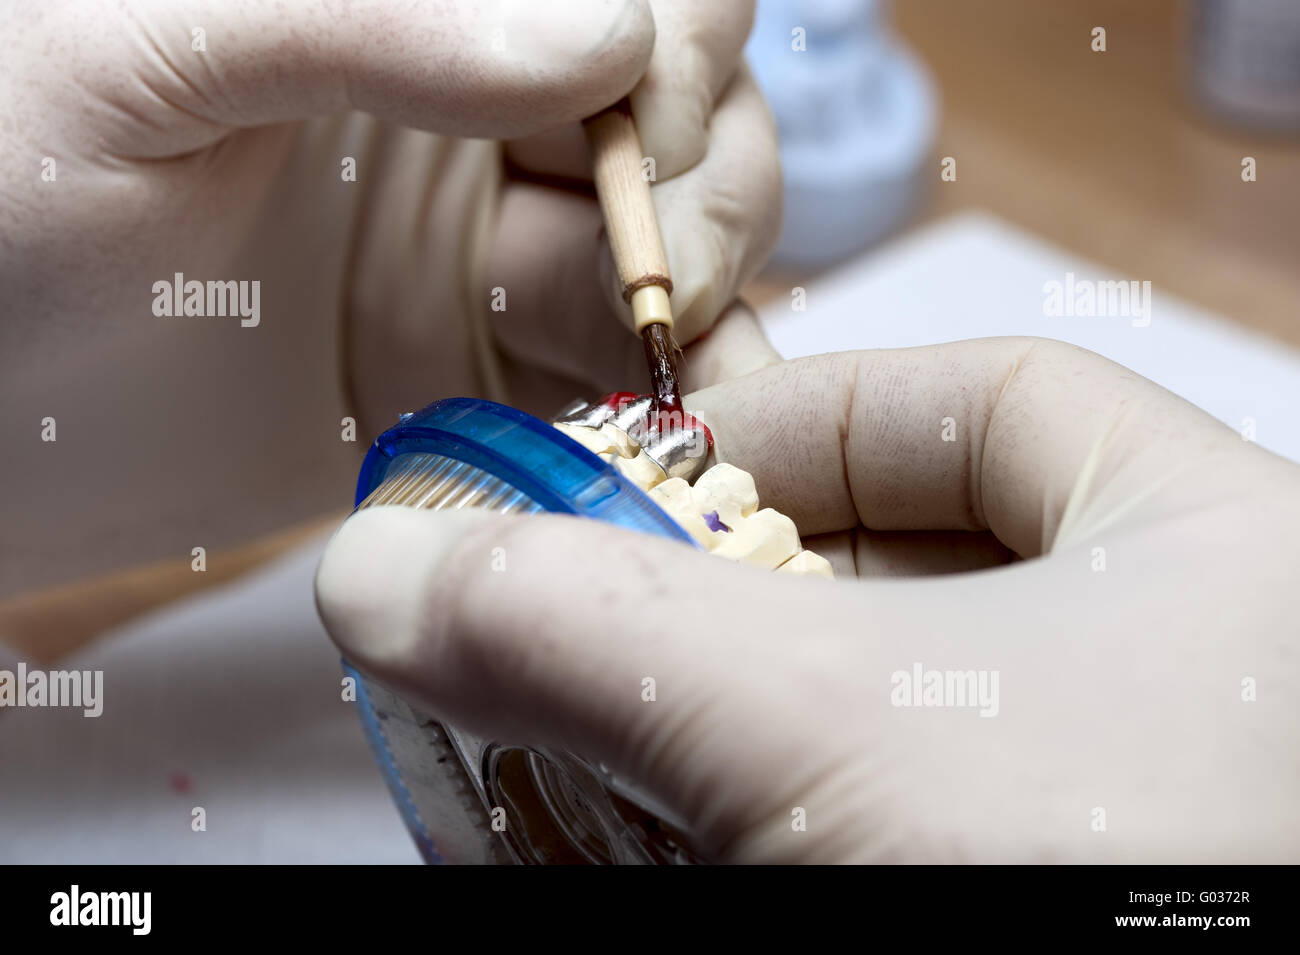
<point x="227" y="164"/>
<point x="1120" y="689"/>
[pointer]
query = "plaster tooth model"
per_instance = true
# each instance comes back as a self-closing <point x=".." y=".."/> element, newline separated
<point x="807" y="564"/>
<point x="766" y="538"/>
<point x="623" y="444"/>
<point x="673" y="495"/>
<point x="602" y="440"/>
<point x="720" y="511"/>
<point x="641" y="471"/>
<point x="676" y="498"/>
<point x="728" y="490"/>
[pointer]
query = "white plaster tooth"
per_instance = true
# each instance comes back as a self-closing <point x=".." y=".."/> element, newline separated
<point x="766" y="538"/>
<point x="674" y="496"/>
<point x="602" y="439"/>
<point x="594" y="440"/>
<point x="621" y="442"/>
<point x="694" y="525"/>
<point x="808" y="564"/>
<point x="728" y="490"/>
<point x="641" y="471"/>
<point x="724" y="497"/>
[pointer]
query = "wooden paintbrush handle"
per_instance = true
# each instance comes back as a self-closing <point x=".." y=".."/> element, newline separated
<point x="629" y="212"/>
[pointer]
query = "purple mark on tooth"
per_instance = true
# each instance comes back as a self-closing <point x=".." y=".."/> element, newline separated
<point x="715" y="522"/>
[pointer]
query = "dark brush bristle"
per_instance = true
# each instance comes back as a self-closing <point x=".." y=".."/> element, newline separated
<point x="661" y="357"/>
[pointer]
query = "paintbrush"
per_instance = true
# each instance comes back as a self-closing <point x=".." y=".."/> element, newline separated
<point x="638" y="249"/>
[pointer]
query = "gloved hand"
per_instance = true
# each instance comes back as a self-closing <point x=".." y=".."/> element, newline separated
<point x="380" y="168"/>
<point x="1145" y="647"/>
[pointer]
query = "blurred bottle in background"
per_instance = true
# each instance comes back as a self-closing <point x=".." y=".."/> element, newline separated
<point x="1245" y="59"/>
<point x="857" y="114"/>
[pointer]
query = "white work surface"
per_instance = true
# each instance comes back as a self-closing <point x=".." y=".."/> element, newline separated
<point x="974" y="276"/>
<point x="231" y="700"/>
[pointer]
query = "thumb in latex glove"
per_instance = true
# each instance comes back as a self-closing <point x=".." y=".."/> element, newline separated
<point x="1118" y="729"/>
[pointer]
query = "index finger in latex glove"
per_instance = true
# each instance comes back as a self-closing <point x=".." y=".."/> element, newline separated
<point x="1035" y="440"/>
<point x="491" y="69"/>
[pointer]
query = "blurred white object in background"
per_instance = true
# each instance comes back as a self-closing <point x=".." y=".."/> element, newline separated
<point x="856" y="112"/>
<point x="972" y="275"/>
<point x="1246" y="60"/>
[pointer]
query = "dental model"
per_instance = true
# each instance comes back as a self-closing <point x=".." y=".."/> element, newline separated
<point x="720" y="510"/>
<point x="651" y="439"/>
<point x="602" y="441"/>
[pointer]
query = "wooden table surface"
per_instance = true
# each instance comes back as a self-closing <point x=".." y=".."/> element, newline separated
<point x="1105" y="154"/>
<point x="1108" y="154"/>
